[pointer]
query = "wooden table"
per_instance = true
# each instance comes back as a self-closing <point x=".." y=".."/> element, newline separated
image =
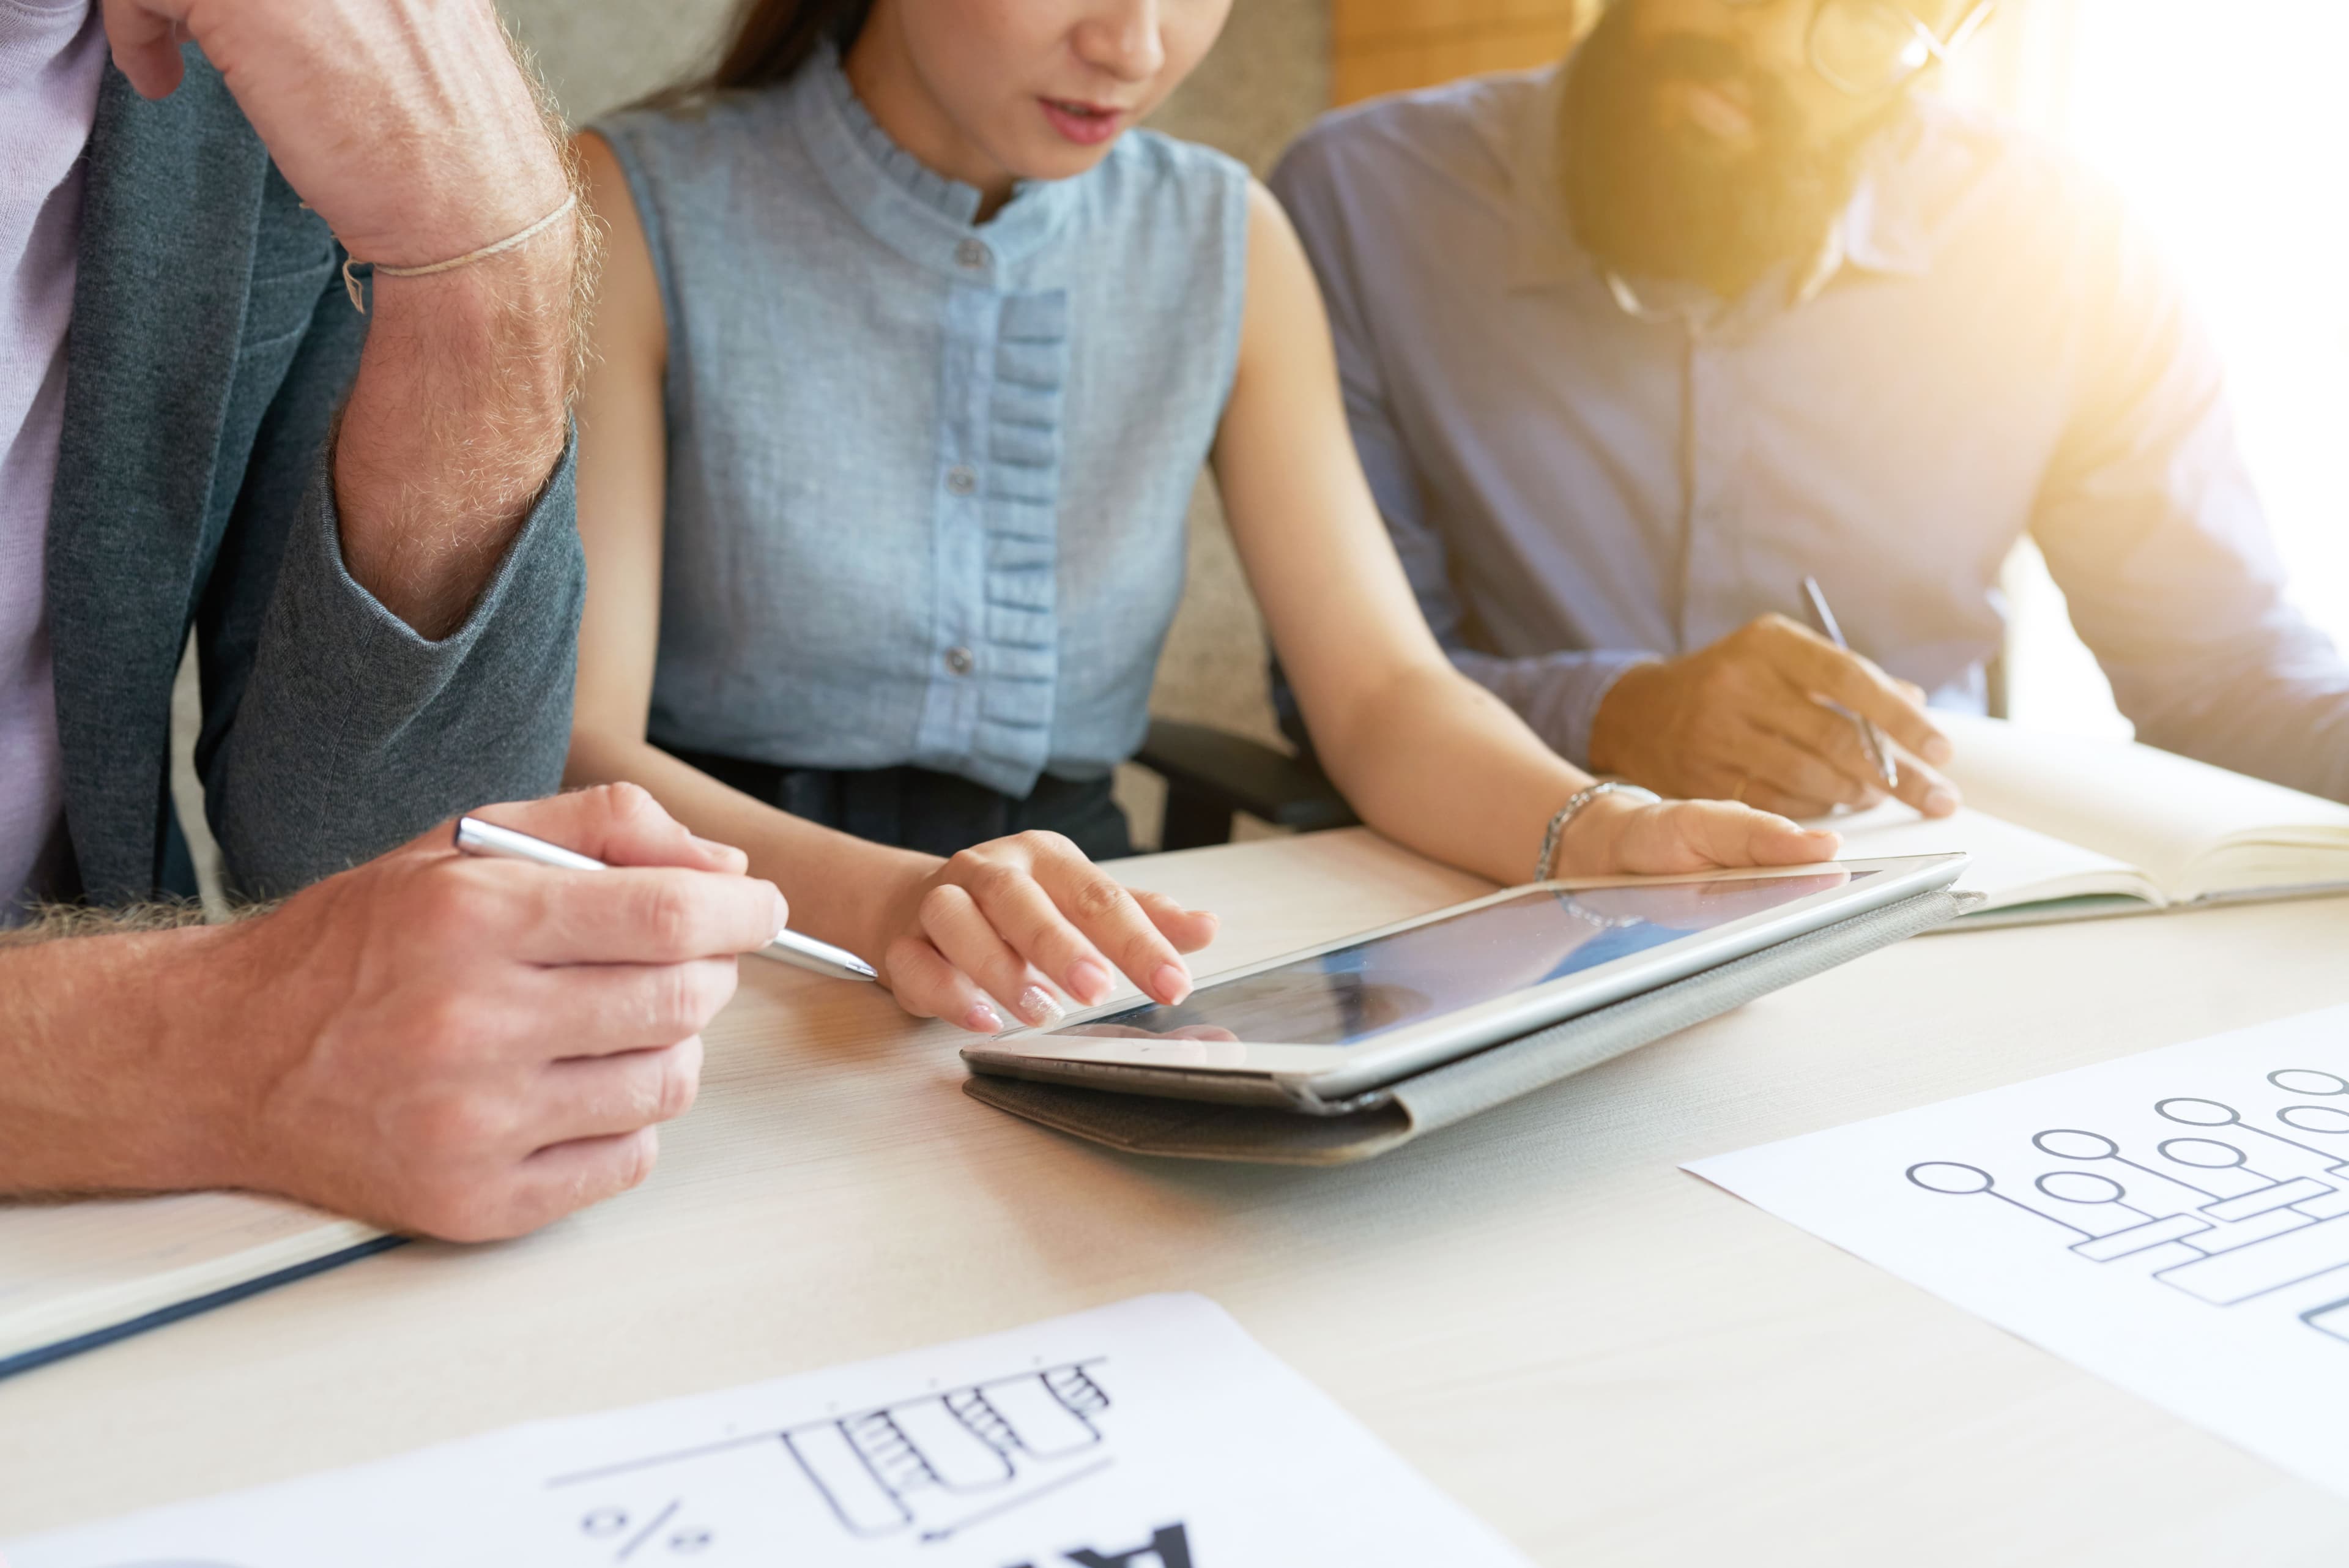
<point x="1611" y="1360"/>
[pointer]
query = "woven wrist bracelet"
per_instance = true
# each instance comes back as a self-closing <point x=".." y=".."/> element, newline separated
<point x="351" y="284"/>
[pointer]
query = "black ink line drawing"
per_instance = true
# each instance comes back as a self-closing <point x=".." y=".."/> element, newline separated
<point x="605" y="1523"/>
<point x="983" y="1516"/>
<point x="899" y="1467"/>
<point x="2217" y="1228"/>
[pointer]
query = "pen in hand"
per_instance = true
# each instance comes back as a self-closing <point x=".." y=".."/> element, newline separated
<point x="475" y="837"/>
<point x="1879" y="749"/>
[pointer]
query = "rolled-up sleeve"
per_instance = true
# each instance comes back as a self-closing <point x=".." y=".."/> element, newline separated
<point x="2152" y="527"/>
<point x="353" y="733"/>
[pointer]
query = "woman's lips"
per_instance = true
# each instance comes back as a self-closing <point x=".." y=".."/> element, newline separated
<point x="1086" y="124"/>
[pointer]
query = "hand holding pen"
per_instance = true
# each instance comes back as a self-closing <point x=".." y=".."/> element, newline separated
<point x="1778" y="716"/>
<point x="1879" y="750"/>
<point x="474" y="837"/>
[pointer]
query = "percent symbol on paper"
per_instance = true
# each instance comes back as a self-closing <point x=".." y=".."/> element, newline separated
<point x="616" y="1524"/>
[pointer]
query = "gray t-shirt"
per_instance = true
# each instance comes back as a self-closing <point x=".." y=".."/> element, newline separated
<point x="52" y="54"/>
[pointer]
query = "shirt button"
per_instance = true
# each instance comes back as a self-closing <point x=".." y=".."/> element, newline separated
<point x="971" y="253"/>
<point x="959" y="661"/>
<point x="961" y="479"/>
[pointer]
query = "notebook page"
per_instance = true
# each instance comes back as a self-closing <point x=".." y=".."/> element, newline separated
<point x="2178" y="820"/>
<point x="2012" y="866"/>
<point x="69" y="1268"/>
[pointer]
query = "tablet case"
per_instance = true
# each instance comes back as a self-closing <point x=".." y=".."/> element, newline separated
<point x="1150" y="1113"/>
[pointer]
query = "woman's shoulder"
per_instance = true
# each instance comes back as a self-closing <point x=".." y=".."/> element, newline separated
<point x="690" y="127"/>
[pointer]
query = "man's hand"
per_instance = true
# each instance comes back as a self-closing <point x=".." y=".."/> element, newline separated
<point x="1011" y="917"/>
<point x="409" y="128"/>
<point x="456" y="1047"/>
<point x="1747" y="719"/>
<point x="405" y="123"/>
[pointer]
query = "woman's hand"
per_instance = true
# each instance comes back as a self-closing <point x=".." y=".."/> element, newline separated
<point x="1618" y="836"/>
<point x="1011" y="919"/>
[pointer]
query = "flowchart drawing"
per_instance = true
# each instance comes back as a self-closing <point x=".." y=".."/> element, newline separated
<point x="2195" y="1210"/>
<point x="2176" y="1221"/>
<point x="928" y="1466"/>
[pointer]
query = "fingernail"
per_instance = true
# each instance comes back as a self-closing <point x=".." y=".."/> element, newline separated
<point x="1088" y="982"/>
<point x="1171" y="984"/>
<point x="1938" y="751"/>
<point x="982" y="1020"/>
<point x="1941" y="803"/>
<point x="1037" y="1006"/>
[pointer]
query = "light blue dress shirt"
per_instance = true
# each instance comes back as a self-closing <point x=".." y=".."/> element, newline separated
<point x="926" y="477"/>
<point x="1576" y="487"/>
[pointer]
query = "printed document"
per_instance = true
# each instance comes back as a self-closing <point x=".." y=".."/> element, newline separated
<point x="1152" y="1434"/>
<point x="2177" y="1222"/>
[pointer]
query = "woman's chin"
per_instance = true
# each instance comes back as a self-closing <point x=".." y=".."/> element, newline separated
<point x="1057" y="158"/>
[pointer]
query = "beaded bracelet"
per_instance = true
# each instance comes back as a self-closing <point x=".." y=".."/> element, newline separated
<point x="1572" y="809"/>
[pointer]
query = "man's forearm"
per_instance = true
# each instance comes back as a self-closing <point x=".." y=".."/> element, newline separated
<point x="90" y="1028"/>
<point x="457" y="418"/>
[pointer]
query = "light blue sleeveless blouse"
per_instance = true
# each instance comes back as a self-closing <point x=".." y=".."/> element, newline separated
<point x="926" y="479"/>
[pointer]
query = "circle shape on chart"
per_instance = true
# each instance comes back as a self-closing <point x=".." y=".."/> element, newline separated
<point x="2199" y="1113"/>
<point x="2316" y="1118"/>
<point x="2203" y="1153"/>
<point x="2071" y="1143"/>
<point x="2308" y="1081"/>
<point x="1947" y="1176"/>
<point x="2079" y="1187"/>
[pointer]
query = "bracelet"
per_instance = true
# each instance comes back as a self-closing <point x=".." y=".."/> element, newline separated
<point x="351" y="284"/>
<point x="1572" y="809"/>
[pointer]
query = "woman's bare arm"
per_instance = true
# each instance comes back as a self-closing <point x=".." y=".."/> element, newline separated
<point x="1427" y="756"/>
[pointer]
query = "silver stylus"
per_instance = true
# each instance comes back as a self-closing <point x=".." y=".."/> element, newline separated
<point x="475" y="837"/>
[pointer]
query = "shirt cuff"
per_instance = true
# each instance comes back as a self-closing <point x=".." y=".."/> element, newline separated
<point x="1558" y="695"/>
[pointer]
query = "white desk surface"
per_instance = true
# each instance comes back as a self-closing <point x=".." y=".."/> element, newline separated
<point x="1611" y="1360"/>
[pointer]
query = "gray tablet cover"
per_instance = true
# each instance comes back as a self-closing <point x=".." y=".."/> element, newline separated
<point x="1150" y="1115"/>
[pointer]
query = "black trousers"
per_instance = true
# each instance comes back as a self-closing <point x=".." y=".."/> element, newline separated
<point x="937" y="813"/>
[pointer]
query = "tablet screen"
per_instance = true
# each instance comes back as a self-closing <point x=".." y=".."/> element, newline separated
<point x="1356" y="993"/>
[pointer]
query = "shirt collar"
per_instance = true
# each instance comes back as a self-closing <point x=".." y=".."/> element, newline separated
<point x="1878" y="231"/>
<point x="924" y="216"/>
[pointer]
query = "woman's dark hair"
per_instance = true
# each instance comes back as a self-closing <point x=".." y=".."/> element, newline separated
<point x="770" y="41"/>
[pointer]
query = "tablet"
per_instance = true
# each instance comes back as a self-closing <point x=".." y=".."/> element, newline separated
<point x="1362" y="1012"/>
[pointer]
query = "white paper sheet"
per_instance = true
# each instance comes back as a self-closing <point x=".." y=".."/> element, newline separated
<point x="67" y="1269"/>
<point x="2011" y="865"/>
<point x="1152" y="1434"/>
<point x="2176" y="1221"/>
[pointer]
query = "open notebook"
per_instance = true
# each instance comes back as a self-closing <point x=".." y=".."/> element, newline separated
<point x="2074" y="827"/>
<point x="76" y="1275"/>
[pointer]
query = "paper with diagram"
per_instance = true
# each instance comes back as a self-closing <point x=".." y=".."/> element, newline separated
<point x="1152" y="1434"/>
<point x="2176" y="1221"/>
